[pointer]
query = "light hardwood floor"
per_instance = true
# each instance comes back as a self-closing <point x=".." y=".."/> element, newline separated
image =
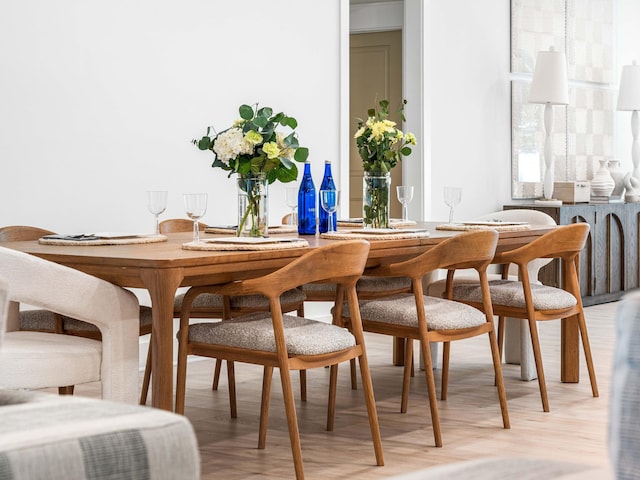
<point x="575" y="429"/>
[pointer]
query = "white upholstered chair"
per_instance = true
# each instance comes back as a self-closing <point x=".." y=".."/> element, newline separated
<point x="33" y="360"/>
<point x="517" y="346"/>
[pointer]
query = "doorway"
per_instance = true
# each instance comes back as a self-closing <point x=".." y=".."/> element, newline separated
<point x="375" y="72"/>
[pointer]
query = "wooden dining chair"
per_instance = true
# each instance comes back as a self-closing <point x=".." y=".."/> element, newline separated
<point x="41" y="320"/>
<point x="287" y="342"/>
<point x="430" y="319"/>
<point x="223" y="307"/>
<point x="536" y="302"/>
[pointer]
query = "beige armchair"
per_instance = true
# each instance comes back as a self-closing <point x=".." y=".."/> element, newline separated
<point x="33" y="360"/>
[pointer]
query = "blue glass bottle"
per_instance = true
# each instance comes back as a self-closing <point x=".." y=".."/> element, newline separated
<point x="307" y="203"/>
<point x="327" y="184"/>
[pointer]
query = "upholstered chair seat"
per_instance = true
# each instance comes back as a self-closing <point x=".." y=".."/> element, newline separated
<point x="441" y="314"/>
<point x="209" y="300"/>
<point x="366" y="287"/>
<point x="511" y="294"/>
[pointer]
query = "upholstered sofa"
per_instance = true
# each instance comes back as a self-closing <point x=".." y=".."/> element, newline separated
<point x="624" y="425"/>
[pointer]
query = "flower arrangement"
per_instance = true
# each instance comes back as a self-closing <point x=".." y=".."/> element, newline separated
<point x="253" y="145"/>
<point x="260" y="154"/>
<point x="380" y="144"/>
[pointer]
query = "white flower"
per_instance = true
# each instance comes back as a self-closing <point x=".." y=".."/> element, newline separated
<point x="230" y="144"/>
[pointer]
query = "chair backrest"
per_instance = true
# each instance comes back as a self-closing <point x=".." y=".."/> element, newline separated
<point x="63" y="290"/>
<point x="565" y="242"/>
<point x="175" y="225"/>
<point x="340" y="262"/>
<point x="19" y="233"/>
<point x="466" y="250"/>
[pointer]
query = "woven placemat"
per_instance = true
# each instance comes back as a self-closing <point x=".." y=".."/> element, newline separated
<point x="104" y="241"/>
<point x="273" y="230"/>
<point x="363" y="234"/>
<point x="219" y="245"/>
<point x="463" y="228"/>
<point x="393" y="222"/>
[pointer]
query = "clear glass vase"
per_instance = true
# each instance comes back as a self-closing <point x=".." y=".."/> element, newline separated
<point x="376" y="200"/>
<point x="253" y="211"/>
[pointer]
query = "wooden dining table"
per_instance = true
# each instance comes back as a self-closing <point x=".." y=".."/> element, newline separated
<point x="161" y="268"/>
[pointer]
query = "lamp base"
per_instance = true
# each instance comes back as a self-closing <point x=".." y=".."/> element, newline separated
<point x="551" y="202"/>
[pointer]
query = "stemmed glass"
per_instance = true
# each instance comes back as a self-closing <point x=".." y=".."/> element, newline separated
<point x="156" y="204"/>
<point x="291" y="197"/>
<point x="452" y="197"/>
<point x="329" y="199"/>
<point x="405" y="195"/>
<point x="195" y="204"/>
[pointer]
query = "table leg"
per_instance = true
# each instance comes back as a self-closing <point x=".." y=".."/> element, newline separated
<point x="162" y="285"/>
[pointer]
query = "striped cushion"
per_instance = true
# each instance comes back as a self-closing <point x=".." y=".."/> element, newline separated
<point x="400" y="309"/>
<point x="255" y="332"/>
<point x="45" y="436"/>
<point x="511" y="294"/>
<point x="214" y="302"/>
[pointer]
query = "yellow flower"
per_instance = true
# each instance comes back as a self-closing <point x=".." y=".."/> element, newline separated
<point x="238" y="122"/>
<point x="378" y="129"/>
<point x="253" y="137"/>
<point x="271" y="149"/>
<point x="410" y="138"/>
<point x="360" y="131"/>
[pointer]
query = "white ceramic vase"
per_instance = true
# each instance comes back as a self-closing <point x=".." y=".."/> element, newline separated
<point x="602" y="183"/>
<point x="618" y="177"/>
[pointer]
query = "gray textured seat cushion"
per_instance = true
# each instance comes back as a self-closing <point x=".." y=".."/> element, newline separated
<point x="365" y="285"/>
<point x="400" y="309"/>
<point x="45" y="436"/>
<point x="255" y="332"/>
<point x="209" y="300"/>
<point x="44" y="321"/>
<point x="509" y="293"/>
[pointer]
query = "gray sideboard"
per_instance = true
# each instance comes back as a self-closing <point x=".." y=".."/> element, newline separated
<point x="609" y="263"/>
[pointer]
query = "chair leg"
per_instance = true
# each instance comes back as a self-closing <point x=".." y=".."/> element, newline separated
<point x="264" y="406"/>
<point x="181" y="378"/>
<point x="216" y="374"/>
<point x="331" y="404"/>
<point x="431" y="390"/>
<point x="68" y="390"/>
<point x="354" y="374"/>
<point x="292" y="420"/>
<point x="372" y="413"/>
<point x="446" y="352"/>
<point x="501" y="327"/>
<point x="303" y="385"/>
<point x="147" y="378"/>
<point x="406" y="378"/>
<point x="537" y="355"/>
<point x="587" y="353"/>
<point x="231" y="380"/>
<point x="499" y="380"/>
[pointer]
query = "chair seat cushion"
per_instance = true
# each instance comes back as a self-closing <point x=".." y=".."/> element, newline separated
<point x="255" y="332"/>
<point x="214" y="302"/>
<point x="400" y="309"/>
<point x="45" y="321"/>
<point x="366" y="284"/>
<point x="41" y="360"/>
<point x="50" y="436"/>
<point x="511" y="294"/>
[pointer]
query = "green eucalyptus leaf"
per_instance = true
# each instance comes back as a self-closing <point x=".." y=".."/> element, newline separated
<point x="286" y="163"/>
<point x="265" y="112"/>
<point x="246" y="112"/>
<point x="405" y="151"/>
<point x="291" y="140"/>
<point x="204" y="143"/>
<point x="301" y="155"/>
<point x="371" y="112"/>
<point x="261" y="121"/>
<point x="286" y="175"/>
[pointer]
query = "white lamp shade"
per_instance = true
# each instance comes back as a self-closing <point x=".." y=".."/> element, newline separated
<point x="629" y="93"/>
<point x="550" y="84"/>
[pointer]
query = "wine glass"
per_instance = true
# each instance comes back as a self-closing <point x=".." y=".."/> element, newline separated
<point x="156" y="204"/>
<point x="291" y="197"/>
<point x="195" y="204"/>
<point x="452" y="197"/>
<point x="405" y="195"/>
<point x="329" y="199"/>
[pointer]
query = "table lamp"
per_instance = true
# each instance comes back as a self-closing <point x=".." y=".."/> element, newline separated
<point x="550" y="87"/>
<point x="629" y="100"/>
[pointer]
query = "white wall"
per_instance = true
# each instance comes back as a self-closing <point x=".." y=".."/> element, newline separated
<point x="99" y="101"/>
